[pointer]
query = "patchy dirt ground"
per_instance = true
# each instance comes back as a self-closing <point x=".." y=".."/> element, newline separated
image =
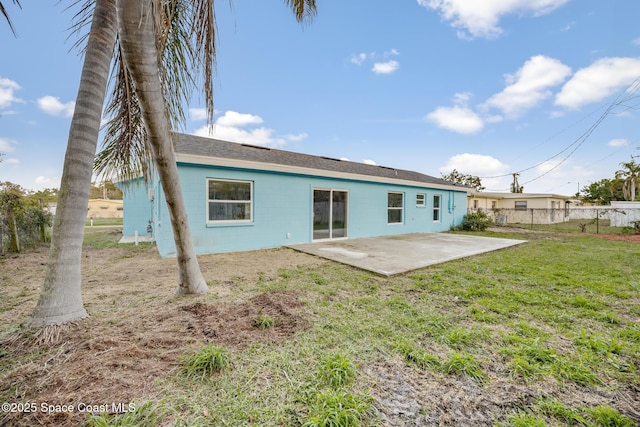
<point x="635" y="238"/>
<point x="132" y="339"/>
<point x="139" y="329"/>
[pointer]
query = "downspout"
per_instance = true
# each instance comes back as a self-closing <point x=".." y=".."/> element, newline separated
<point x="452" y="208"/>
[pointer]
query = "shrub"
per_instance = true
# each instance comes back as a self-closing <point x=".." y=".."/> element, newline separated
<point x="475" y="221"/>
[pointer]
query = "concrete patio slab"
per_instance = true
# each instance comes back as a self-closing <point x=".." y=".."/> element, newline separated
<point x="389" y="255"/>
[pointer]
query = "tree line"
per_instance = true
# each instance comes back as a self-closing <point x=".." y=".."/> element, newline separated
<point x="624" y="185"/>
<point x="26" y="215"/>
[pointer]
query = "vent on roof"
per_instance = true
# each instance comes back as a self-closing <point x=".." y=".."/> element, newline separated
<point x="259" y="147"/>
<point x="386" y="167"/>
<point x="331" y="158"/>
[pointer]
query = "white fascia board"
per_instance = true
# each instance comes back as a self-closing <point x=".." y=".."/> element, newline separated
<point x="274" y="167"/>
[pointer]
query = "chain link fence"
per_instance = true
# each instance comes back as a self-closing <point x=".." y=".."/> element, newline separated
<point x="31" y="227"/>
<point x="592" y="219"/>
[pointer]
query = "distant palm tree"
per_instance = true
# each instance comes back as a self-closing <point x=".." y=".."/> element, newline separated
<point x="6" y="15"/>
<point x="630" y="174"/>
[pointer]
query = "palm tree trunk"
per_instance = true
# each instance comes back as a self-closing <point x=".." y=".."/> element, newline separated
<point x="138" y="45"/>
<point x="61" y="296"/>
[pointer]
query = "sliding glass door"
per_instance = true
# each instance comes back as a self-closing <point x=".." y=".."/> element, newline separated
<point x="329" y="214"/>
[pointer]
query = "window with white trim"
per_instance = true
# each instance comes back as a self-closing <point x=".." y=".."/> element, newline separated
<point x="521" y="205"/>
<point x="395" y="207"/>
<point x="229" y="201"/>
<point x="421" y="200"/>
<point x="436" y="208"/>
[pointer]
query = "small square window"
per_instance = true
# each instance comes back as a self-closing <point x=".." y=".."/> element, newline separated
<point x="420" y="199"/>
<point x="521" y="205"/>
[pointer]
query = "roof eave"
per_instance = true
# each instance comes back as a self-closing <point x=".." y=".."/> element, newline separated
<point x="289" y="169"/>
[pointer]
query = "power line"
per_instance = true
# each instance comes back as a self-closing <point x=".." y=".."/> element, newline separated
<point x="630" y="91"/>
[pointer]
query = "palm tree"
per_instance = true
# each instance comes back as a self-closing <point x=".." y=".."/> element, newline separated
<point x="61" y="296"/>
<point x="631" y="176"/>
<point x="148" y="31"/>
<point x="6" y="15"/>
<point x="138" y="37"/>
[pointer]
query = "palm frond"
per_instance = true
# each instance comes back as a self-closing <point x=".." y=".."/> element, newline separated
<point x="81" y="23"/>
<point x="305" y="10"/>
<point x="204" y="29"/>
<point x="124" y="154"/>
<point x="175" y="47"/>
<point x="6" y="15"/>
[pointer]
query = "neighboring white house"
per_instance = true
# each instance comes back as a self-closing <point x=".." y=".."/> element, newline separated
<point x="505" y="208"/>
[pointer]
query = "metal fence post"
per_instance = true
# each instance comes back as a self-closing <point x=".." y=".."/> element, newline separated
<point x="532" y="218"/>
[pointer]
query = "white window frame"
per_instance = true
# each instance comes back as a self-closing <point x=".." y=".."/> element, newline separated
<point x="229" y="221"/>
<point x="437" y="208"/>
<point x="395" y="208"/>
<point x="421" y="200"/>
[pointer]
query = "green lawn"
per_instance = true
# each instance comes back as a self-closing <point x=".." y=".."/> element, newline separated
<point x="552" y="316"/>
<point x="542" y="334"/>
<point x="98" y="222"/>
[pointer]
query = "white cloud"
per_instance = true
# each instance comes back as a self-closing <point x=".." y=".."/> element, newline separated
<point x="636" y="41"/>
<point x="380" y="67"/>
<point x="260" y="136"/>
<point x="6" y="145"/>
<point x="480" y="18"/>
<point x="620" y="142"/>
<point x="529" y="85"/>
<point x="598" y="81"/>
<point x="198" y="113"/>
<point x="7" y="89"/>
<point x="239" y="127"/>
<point x="52" y="105"/>
<point x="385" y="67"/>
<point x="231" y="118"/>
<point x="369" y="162"/>
<point x="296" y="138"/>
<point x="568" y="27"/>
<point x="359" y="58"/>
<point x="478" y="165"/>
<point x="43" y="181"/>
<point x="459" y="119"/>
<point x="10" y="161"/>
<point x="475" y="164"/>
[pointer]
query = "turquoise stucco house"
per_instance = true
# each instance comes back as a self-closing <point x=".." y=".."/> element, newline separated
<point x="242" y="197"/>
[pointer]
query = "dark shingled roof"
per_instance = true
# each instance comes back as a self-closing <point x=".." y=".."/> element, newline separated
<point x="201" y="146"/>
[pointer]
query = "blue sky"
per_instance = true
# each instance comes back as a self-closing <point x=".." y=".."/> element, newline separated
<point x="547" y="88"/>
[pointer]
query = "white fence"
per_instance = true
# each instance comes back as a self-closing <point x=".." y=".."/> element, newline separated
<point x="617" y="216"/>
